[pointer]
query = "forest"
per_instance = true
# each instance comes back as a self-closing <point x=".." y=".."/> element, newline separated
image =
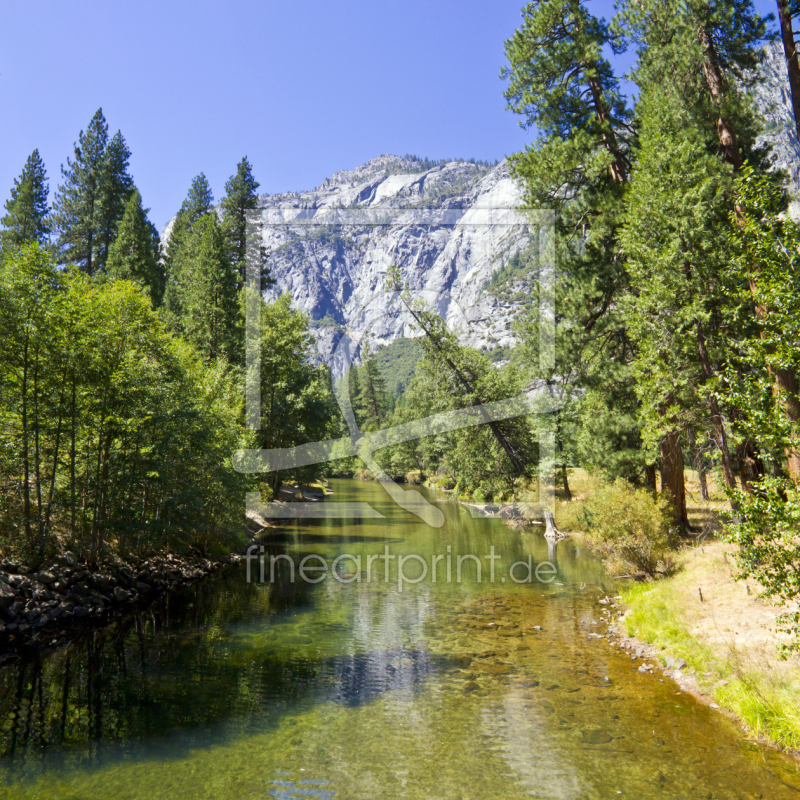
<point x="122" y="366"/>
<point x="676" y="337"/>
<point x="677" y="302"/>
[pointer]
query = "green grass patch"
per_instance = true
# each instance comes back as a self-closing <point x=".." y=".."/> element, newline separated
<point x="767" y="703"/>
<point x="656" y="618"/>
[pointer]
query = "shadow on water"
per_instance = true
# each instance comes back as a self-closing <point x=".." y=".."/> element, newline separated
<point x="292" y="538"/>
<point x="179" y="668"/>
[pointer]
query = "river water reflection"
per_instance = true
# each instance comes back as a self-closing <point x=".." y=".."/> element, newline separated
<point x="350" y="688"/>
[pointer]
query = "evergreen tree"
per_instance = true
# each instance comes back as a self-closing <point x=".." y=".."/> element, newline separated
<point x="76" y="209"/>
<point x="132" y="255"/>
<point x="116" y="186"/>
<point x="373" y="400"/>
<point x="199" y="201"/>
<point x="210" y="312"/>
<point x="562" y="85"/>
<point x="354" y="386"/>
<point x="240" y="197"/>
<point x="26" y="219"/>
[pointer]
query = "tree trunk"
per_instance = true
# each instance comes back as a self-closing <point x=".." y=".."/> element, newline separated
<point x="672" y="477"/>
<point x="792" y="62"/>
<point x="650" y="477"/>
<point x="567" y="492"/>
<point x="751" y="467"/>
<point x="702" y="478"/>
<point x="619" y="173"/>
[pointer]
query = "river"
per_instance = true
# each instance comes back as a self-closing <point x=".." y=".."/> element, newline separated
<point x="360" y="685"/>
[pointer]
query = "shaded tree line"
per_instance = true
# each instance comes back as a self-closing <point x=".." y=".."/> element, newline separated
<point x="122" y="363"/>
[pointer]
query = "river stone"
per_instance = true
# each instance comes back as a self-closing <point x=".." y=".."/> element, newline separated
<point x="7" y="596"/>
<point x="471" y="686"/>
<point x="595" y="736"/>
<point x="101" y="581"/>
<point x="494" y="669"/>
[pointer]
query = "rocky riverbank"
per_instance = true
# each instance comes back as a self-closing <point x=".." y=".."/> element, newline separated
<point x="64" y="596"/>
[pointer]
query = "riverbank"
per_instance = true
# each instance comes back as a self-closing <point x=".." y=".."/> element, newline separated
<point x="64" y="597"/>
<point x="717" y="639"/>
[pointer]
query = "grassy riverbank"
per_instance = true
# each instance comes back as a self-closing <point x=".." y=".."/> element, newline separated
<point x="728" y="640"/>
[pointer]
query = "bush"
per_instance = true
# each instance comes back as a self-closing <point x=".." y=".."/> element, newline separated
<point x="631" y="529"/>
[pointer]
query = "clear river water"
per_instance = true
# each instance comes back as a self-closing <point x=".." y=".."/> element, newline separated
<point x="361" y="686"/>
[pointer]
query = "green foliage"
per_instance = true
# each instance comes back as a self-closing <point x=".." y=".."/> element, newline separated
<point x="631" y="529"/>
<point x="675" y="238"/>
<point x="210" y="308"/>
<point x="240" y="197"/>
<point x="26" y="217"/>
<point x="396" y="362"/>
<point x="90" y="203"/>
<point x="199" y="200"/>
<point x="372" y="399"/>
<point x="115" y="437"/>
<point x="767" y="256"/>
<point x="297" y="404"/>
<point x="135" y="253"/>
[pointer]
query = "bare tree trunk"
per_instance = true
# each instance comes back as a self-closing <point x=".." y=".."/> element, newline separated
<point x="672" y="476"/>
<point x="650" y="477"/>
<point x="792" y="62"/>
<point x="701" y="477"/>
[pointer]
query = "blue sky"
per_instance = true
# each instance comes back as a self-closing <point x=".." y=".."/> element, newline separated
<point x="303" y="89"/>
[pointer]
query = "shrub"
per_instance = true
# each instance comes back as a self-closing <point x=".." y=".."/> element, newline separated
<point x="631" y="529"/>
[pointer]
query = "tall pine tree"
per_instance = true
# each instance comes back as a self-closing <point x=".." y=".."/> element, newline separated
<point x="77" y="202"/>
<point x="210" y="311"/>
<point x="240" y="197"/>
<point x="199" y="201"/>
<point x="116" y="186"/>
<point x="26" y="219"/>
<point x="373" y="401"/>
<point x="132" y="255"/>
<point x="90" y="202"/>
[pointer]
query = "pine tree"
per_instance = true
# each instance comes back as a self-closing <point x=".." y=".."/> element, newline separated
<point x="373" y="400"/>
<point x="76" y="210"/>
<point x="210" y="312"/>
<point x="26" y="219"/>
<point x="240" y="197"/>
<point x="561" y="84"/>
<point x="199" y="202"/>
<point x="132" y="256"/>
<point x="354" y="387"/>
<point x="116" y="186"/>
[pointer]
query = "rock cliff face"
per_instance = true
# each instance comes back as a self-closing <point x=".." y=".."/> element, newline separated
<point x="447" y="229"/>
<point x="774" y="102"/>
